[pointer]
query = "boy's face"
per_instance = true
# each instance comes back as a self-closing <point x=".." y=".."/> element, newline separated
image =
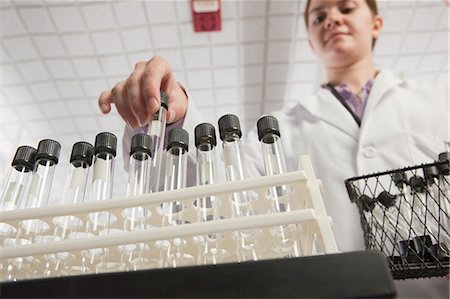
<point x="340" y="32"/>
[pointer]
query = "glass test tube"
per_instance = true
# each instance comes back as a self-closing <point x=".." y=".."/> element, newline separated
<point x="288" y="244"/>
<point x="72" y="227"/>
<point x="46" y="160"/>
<point x="156" y="130"/>
<point x="210" y="250"/>
<point x="174" y="212"/>
<point x="137" y="218"/>
<point x="16" y="184"/>
<point x="100" y="223"/>
<point x="241" y="202"/>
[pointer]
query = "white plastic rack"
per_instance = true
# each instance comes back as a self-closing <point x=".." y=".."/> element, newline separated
<point x="309" y="216"/>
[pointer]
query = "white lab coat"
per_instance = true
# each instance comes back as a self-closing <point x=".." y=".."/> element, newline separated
<point x="404" y="124"/>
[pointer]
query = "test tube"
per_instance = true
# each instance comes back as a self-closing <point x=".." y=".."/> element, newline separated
<point x="136" y="218"/>
<point x="16" y="184"/>
<point x="46" y="160"/>
<point x="175" y="178"/>
<point x="75" y="187"/>
<point x="241" y="202"/>
<point x="281" y="201"/>
<point x="210" y="251"/>
<point x="156" y="131"/>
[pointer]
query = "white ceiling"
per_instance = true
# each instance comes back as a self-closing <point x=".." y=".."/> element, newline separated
<point x="57" y="56"/>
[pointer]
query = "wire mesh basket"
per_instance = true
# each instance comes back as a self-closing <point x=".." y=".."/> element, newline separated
<point x="405" y="214"/>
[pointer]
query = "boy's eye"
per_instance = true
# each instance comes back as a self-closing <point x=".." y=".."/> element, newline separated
<point x="347" y="10"/>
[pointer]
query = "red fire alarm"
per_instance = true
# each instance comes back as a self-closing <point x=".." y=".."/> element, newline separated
<point x="206" y="15"/>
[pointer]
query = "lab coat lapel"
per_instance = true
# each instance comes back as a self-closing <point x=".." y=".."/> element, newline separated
<point x="325" y="106"/>
<point x="384" y="81"/>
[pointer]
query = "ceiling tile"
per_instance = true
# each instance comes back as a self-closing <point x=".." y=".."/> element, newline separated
<point x="70" y="89"/>
<point x="415" y="43"/>
<point x="55" y="109"/>
<point x="199" y="79"/>
<point x="228" y="95"/>
<point x="11" y="23"/>
<point x="229" y="9"/>
<point x="227" y="35"/>
<point x="174" y="57"/>
<point x="304" y="72"/>
<point x="183" y="10"/>
<point x="279" y="52"/>
<point x="130" y="13"/>
<point x="20" y="48"/>
<point x="111" y="122"/>
<point x="115" y="65"/>
<point x="7" y="114"/>
<point x="33" y="71"/>
<point x="422" y="20"/>
<point x="49" y="46"/>
<point x="98" y="16"/>
<point x="226" y="77"/>
<point x="252" y="53"/>
<point x="281" y="27"/>
<point x="63" y="126"/>
<point x="439" y="42"/>
<point x="303" y="52"/>
<point x="208" y="115"/>
<point x="276" y="73"/>
<point x="298" y="91"/>
<point x="252" y="74"/>
<point x="17" y="94"/>
<point x="160" y="12"/>
<point x="86" y="122"/>
<point x="44" y="91"/>
<point x="301" y="27"/>
<point x="397" y="20"/>
<point x="202" y="98"/>
<point x="225" y="56"/>
<point x="60" y="68"/>
<point x="80" y="107"/>
<point x="30" y="111"/>
<point x="9" y="75"/>
<point x="388" y="44"/>
<point x="197" y="57"/>
<point x="165" y="36"/>
<point x="407" y="64"/>
<point x="67" y="18"/>
<point x="36" y="19"/>
<point x="73" y="42"/>
<point x="252" y="8"/>
<point x="191" y="38"/>
<point x="283" y="7"/>
<point x="12" y="131"/>
<point x="275" y="92"/>
<point x="433" y="63"/>
<point x="136" y="39"/>
<point x="107" y="42"/>
<point x="87" y="67"/>
<point x="94" y="87"/>
<point x="251" y="94"/>
<point x="252" y="30"/>
<point x="269" y="107"/>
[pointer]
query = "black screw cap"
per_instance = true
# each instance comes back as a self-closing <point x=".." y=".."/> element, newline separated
<point x="430" y="172"/>
<point x="417" y="184"/>
<point x="229" y="123"/>
<point x="205" y="133"/>
<point x="141" y="143"/>
<point x="82" y="151"/>
<point x="105" y="143"/>
<point x="368" y="203"/>
<point x="48" y="149"/>
<point x="444" y="168"/>
<point x="178" y="137"/>
<point x="25" y="157"/>
<point x="267" y="124"/>
<point x="399" y="179"/>
<point x="386" y="199"/>
<point x="164" y="99"/>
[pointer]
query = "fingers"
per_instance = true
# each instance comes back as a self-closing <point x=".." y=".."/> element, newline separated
<point x="177" y="103"/>
<point x="155" y="78"/>
<point x="120" y="99"/>
<point x="104" y="101"/>
<point x="135" y="98"/>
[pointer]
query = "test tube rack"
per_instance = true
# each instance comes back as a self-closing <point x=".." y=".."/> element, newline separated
<point x="309" y="215"/>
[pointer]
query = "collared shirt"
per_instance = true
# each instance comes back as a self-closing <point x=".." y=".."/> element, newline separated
<point x="356" y="102"/>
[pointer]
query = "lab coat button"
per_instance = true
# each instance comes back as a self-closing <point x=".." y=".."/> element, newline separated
<point x="369" y="152"/>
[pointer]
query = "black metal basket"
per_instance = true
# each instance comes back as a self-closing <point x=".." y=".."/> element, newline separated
<point x="405" y="214"/>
